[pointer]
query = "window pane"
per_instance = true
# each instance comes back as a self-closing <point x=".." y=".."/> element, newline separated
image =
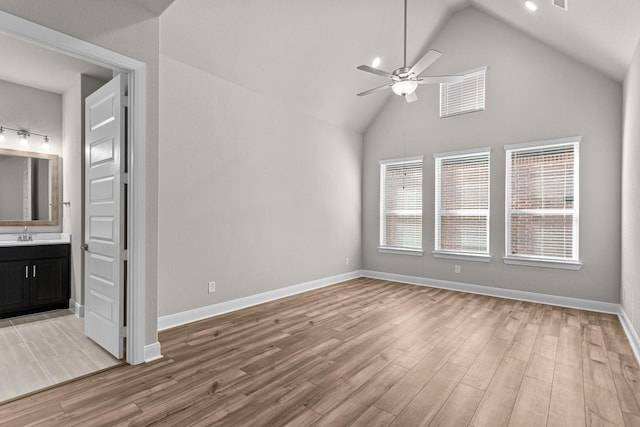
<point x="462" y="202"/>
<point x="464" y="233"/>
<point x="401" y="204"/>
<point x="403" y="231"/>
<point x="542" y="180"/>
<point x="542" y="205"/>
<point x="542" y="236"/>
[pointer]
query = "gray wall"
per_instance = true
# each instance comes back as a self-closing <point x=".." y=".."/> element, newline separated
<point x="23" y="107"/>
<point x="254" y="194"/>
<point x="631" y="194"/>
<point x="533" y="93"/>
<point x="131" y="30"/>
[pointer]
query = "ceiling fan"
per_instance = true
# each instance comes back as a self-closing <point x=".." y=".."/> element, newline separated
<point x="405" y="80"/>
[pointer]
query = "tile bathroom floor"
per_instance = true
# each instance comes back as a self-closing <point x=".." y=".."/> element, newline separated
<point x="43" y="349"/>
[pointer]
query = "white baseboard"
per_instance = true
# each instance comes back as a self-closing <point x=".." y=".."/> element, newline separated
<point x="152" y="352"/>
<point x="583" y="304"/>
<point x="631" y="333"/>
<point x="76" y="308"/>
<point x="177" y="319"/>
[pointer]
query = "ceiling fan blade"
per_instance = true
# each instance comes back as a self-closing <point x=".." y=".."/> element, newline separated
<point x="367" y="92"/>
<point x="410" y="97"/>
<point x="441" y="79"/>
<point x="424" y="62"/>
<point x="375" y="71"/>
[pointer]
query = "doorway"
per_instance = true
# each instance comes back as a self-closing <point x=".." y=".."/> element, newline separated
<point x="135" y="72"/>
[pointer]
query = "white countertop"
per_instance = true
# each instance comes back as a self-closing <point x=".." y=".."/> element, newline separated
<point x="38" y="239"/>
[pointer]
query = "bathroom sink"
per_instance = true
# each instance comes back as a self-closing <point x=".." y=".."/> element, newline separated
<point x="31" y="242"/>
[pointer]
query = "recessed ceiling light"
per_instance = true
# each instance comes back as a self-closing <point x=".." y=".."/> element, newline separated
<point x="376" y="62"/>
<point x="531" y="5"/>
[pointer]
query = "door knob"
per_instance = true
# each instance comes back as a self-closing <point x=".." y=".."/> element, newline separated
<point x="84" y="247"/>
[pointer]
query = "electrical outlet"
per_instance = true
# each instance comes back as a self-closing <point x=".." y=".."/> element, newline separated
<point x="212" y="287"/>
<point x="346" y="260"/>
<point x="456" y="268"/>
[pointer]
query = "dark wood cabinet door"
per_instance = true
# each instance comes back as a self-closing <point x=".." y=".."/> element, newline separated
<point x="14" y="285"/>
<point x="49" y="282"/>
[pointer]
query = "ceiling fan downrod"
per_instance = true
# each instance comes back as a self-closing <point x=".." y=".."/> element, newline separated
<point x="405" y="35"/>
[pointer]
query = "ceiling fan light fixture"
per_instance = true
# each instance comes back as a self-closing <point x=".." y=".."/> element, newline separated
<point x="404" y="87"/>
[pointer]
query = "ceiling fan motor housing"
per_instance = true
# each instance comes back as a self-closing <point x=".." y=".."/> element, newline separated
<point x="402" y="73"/>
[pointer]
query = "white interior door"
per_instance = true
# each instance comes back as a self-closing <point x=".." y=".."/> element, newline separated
<point x="104" y="215"/>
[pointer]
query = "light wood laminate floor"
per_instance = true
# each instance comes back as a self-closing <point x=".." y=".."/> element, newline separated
<point x="40" y="350"/>
<point x="366" y="353"/>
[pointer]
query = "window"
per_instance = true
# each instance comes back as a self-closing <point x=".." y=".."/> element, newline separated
<point x="542" y="203"/>
<point x="462" y="205"/>
<point x="401" y="206"/>
<point x="466" y="96"/>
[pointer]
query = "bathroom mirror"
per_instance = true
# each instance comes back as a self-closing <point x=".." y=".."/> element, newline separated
<point x="29" y="188"/>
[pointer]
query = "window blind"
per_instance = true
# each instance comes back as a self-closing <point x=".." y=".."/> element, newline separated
<point x="542" y="202"/>
<point x="466" y="96"/>
<point x="401" y="204"/>
<point x="462" y="202"/>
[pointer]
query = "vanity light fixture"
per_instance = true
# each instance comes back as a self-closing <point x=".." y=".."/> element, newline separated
<point x="24" y="135"/>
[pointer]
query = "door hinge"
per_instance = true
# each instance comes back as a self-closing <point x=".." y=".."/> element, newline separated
<point x="124" y="255"/>
<point x="123" y="332"/>
<point x="125" y="100"/>
<point x="124" y="178"/>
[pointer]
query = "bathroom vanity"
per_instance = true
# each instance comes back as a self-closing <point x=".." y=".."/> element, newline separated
<point x="34" y="275"/>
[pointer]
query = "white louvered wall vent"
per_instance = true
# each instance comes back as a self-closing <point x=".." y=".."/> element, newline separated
<point x="562" y="4"/>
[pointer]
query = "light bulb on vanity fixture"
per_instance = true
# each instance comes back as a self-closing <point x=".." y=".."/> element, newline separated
<point x="46" y="144"/>
<point x="1" y="134"/>
<point x="23" y="137"/>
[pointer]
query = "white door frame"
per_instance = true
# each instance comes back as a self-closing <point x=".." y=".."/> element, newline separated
<point x="34" y="33"/>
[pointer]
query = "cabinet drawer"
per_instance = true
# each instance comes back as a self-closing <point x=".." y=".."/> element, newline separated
<point x="16" y="253"/>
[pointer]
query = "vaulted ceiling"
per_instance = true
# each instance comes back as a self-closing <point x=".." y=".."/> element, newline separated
<point x="305" y="53"/>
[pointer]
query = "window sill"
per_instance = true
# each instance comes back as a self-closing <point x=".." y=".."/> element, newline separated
<point x="400" y="251"/>
<point x="544" y="263"/>
<point x="462" y="256"/>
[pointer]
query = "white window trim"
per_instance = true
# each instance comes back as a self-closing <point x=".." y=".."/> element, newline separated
<point x="460" y="255"/>
<point x="543" y="262"/>
<point x="463" y="256"/>
<point x="532" y="261"/>
<point x="401" y="160"/>
<point x="400" y="250"/>
<point x="462" y="153"/>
